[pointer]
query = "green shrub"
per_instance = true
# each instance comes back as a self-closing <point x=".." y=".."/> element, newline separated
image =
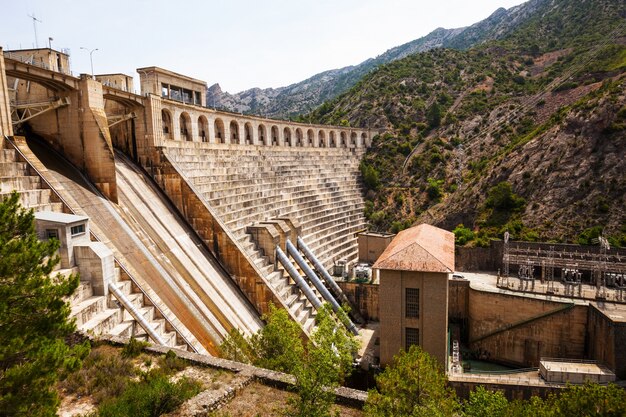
<point x="462" y="235"/>
<point x="153" y="396"/>
<point x="133" y="348"/>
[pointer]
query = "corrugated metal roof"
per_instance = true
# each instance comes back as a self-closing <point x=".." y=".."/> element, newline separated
<point x="422" y="248"/>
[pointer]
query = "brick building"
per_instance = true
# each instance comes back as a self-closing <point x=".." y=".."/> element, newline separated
<point x="413" y="304"/>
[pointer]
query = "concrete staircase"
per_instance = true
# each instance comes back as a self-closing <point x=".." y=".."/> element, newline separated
<point x="317" y="188"/>
<point x="103" y="315"/>
<point x="95" y="315"/>
<point x="17" y="175"/>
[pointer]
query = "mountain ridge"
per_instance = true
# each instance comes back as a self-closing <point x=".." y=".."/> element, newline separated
<point x="526" y="133"/>
<point x="301" y="97"/>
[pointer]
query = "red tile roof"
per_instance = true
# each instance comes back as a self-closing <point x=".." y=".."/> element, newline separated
<point x="422" y="248"/>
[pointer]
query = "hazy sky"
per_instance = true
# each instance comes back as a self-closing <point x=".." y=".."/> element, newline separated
<point x="239" y="44"/>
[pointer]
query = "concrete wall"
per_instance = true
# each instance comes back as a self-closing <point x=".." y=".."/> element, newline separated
<point x="372" y="245"/>
<point x="560" y="335"/>
<point x="479" y="259"/>
<point x="511" y="390"/>
<point x="6" y="127"/>
<point x="433" y="313"/>
<point x="80" y="131"/>
<point x="96" y="264"/>
<point x="606" y="341"/>
<point x="364" y="297"/>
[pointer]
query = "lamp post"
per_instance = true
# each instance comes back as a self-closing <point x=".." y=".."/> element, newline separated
<point x="90" y="57"/>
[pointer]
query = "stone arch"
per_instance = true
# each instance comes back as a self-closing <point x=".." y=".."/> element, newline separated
<point x="274" y="136"/>
<point x="287" y="136"/>
<point x="248" y="133"/>
<point x="203" y="128"/>
<point x="219" y="131"/>
<point x="363" y="139"/>
<point x="353" y="139"/>
<point x="332" y="139"/>
<point x="234" y="132"/>
<point x="262" y="135"/>
<point x="299" y="137"/>
<point x="321" y="136"/>
<point x="310" y="136"/>
<point x="166" y="121"/>
<point x="185" y="126"/>
<point x="344" y="139"/>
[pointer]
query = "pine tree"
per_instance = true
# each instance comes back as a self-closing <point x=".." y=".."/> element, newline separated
<point x="34" y="317"/>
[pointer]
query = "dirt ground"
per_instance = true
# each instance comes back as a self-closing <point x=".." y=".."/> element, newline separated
<point x="262" y="400"/>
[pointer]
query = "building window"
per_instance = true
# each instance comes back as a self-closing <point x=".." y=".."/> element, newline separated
<point x="412" y="302"/>
<point x="411" y="337"/>
<point x="78" y="230"/>
<point x="52" y="234"/>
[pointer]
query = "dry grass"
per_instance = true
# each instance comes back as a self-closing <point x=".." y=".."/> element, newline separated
<point x="261" y="400"/>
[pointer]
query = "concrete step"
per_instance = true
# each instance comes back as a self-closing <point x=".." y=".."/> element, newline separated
<point x="19" y="183"/>
<point x="83" y="292"/>
<point x="8" y="155"/>
<point x="102" y="322"/>
<point x="123" y="329"/>
<point x="85" y="310"/>
<point x="15" y="169"/>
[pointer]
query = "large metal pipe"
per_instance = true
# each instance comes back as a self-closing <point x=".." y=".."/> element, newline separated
<point x="328" y="279"/>
<point x="300" y="282"/>
<point x="291" y="250"/>
<point x="136" y="315"/>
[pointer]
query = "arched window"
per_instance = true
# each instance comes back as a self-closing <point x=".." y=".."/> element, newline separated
<point x="287" y="136"/>
<point x="203" y="129"/>
<point x="234" y="132"/>
<point x="185" y="126"/>
<point x="219" y="131"/>
<point x="262" y="135"/>
<point x="166" y="121"/>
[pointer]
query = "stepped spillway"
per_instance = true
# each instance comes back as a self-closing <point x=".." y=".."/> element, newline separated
<point x="317" y="187"/>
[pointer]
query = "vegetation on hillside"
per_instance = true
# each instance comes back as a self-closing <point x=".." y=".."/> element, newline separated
<point x="127" y="382"/>
<point x="540" y="112"/>
<point x="35" y="329"/>
<point x="319" y="367"/>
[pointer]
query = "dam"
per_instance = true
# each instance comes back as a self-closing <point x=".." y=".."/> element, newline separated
<point x="191" y="202"/>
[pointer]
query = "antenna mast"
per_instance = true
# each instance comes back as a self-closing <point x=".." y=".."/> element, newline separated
<point x="35" y="20"/>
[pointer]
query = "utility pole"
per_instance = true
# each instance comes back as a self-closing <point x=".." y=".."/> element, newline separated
<point x="35" y="20"/>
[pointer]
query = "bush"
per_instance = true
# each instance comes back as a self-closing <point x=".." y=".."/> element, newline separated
<point x="151" y="397"/>
<point x="462" y="235"/>
<point x="371" y="177"/>
<point x="434" y="189"/>
<point x="133" y="348"/>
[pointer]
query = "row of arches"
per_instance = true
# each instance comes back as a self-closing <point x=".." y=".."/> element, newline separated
<point x="221" y="130"/>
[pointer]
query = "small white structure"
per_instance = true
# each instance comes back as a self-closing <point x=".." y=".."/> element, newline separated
<point x="69" y="229"/>
<point x="94" y="260"/>
<point x="574" y="371"/>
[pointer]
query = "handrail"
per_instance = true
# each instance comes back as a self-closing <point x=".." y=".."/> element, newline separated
<point x="136" y="315"/>
<point x="119" y="264"/>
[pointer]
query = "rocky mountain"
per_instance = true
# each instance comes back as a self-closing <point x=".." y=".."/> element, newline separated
<point x="304" y="96"/>
<point x="526" y="133"/>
